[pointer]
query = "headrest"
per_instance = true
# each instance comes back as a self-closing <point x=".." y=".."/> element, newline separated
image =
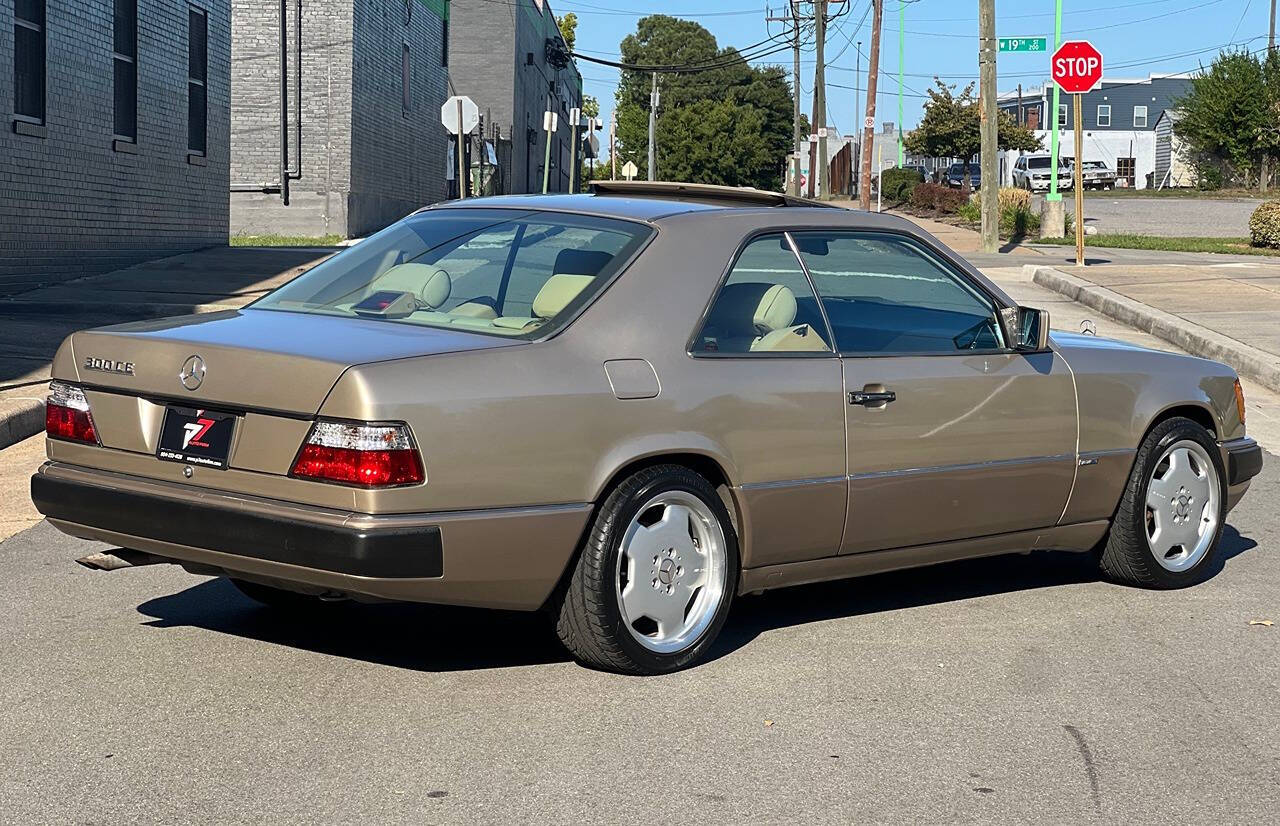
<point x="428" y="283"/>
<point x="587" y="262"/>
<point x="558" y="292"/>
<point x="753" y="308"/>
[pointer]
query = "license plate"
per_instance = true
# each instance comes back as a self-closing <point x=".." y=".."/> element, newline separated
<point x="196" y="437"/>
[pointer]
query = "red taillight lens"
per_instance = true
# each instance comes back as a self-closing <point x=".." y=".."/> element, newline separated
<point x="355" y="454"/>
<point x="67" y="416"/>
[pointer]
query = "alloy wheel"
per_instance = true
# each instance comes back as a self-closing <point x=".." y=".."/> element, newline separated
<point x="1182" y="506"/>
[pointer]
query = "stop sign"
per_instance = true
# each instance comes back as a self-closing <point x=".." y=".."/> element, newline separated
<point x="1076" y="66"/>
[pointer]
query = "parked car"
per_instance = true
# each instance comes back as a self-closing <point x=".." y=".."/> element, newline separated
<point x="627" y="408"/>
<point x="1033" y="173"/>
<point x="955" y="176"/>
<point x="1097" y="175"/>
<point x="921" y="169"/>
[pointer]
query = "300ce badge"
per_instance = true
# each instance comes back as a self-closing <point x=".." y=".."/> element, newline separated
<point x="122" y="368"/>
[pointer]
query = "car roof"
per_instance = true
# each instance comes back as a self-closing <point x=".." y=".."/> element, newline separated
<point x="643" y="200"/>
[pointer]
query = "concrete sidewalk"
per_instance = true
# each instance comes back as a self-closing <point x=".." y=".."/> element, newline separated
<point x="34" y="323"/>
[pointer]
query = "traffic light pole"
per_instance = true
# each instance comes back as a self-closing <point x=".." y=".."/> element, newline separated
<point x="1054" y="195"/>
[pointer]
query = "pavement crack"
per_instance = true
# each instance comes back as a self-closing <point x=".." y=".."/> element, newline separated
<point x="1090" y="769"/>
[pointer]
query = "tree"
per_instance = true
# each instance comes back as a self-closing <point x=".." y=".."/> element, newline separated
<point x="951" y="125"/>
<point x="590" y="106"/>
<point x="730" y="93"/>
<point x="1227" y="121"/>
<point x="568" y="24"/>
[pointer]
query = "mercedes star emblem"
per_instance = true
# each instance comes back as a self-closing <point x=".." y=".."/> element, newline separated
<point x="192" y="375"/>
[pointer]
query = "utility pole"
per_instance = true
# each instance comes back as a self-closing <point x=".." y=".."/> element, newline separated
<point x="902" y="16"/>
<point x="1265" y="172"/>
<point x="857" y="96"/>
<point x="613" y="145"/>
<point x="987" y="119"/>
<point x="653" y="127"/>
<point x="792" y="17"/>
<point x="820" y="99"/>
<point x="869" y="125"/>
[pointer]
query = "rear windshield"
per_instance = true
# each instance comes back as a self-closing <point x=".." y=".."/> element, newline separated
<point x="512" y="273"/>
<point x="1038" y="163"/>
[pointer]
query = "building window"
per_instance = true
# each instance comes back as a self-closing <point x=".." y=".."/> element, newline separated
<point x="1104" y="114"/>
<point x="28" y="60"/>
<point x="1139" y="117"/>
<point x="405" y="78"/>
<point x="1062" y="115"/>
<point x="1126" y="169"/>
<point x="197" y="77"/>
<point x="124" y="59"/>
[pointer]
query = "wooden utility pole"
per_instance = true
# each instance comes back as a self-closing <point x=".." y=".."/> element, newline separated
<point x="1265" y="172"/>
<point x="987" y="78"/>
<point x="820" y="99"/>
<point x="792" y="17"/>
<point x="869" y="125"/>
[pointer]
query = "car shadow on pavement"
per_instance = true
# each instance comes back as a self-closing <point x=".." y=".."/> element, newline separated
<point x="434" y="638"/>
<point x="915" y="587"/>
<point x="402" y="635"/>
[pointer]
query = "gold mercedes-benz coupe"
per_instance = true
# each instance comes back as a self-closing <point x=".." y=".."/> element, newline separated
<point x="627" y="407"/>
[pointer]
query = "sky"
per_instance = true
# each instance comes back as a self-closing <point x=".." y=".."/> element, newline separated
<point x="1136" y="37"/>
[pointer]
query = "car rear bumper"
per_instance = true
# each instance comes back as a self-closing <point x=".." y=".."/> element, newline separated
<point x="500" y="558"/>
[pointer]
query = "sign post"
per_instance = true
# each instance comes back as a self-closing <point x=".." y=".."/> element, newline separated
<point x="550" y="122"/>
<point x="1077" y="69"/>
<point x="460" y="115"/>
<point x="629" y="170"/>
<point x="575" y="115"/>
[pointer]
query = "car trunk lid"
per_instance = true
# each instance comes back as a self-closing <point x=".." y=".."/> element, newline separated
<point x="263" y="360"/>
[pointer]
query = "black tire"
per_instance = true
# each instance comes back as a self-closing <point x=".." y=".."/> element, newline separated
<point x="589" y="620"/>
<point x="278" y="598"/>
<point x="1126" y="555"/>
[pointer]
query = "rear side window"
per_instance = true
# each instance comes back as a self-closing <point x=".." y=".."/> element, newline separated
<point x="766" y="305"/>
<point x="501" y="272"/>
<point x="887" y="295"/>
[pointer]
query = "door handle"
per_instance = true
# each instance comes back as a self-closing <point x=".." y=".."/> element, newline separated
<point x="872" y="398"/>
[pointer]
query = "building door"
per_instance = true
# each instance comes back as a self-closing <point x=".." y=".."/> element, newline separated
<point x="1126" y="170"/>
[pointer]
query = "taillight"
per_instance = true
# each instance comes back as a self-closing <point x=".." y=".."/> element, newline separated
<point x="368" y="455"/>
<point x="66" y="414"/>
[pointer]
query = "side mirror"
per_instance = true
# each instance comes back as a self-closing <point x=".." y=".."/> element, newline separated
<point x="1032" y="330"/>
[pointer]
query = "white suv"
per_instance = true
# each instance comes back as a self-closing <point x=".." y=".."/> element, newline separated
<point x="1031" y="172"/>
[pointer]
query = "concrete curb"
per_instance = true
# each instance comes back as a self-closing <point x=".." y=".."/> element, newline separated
<point x="1259" y="365"/>
<point x="20" y="418"/>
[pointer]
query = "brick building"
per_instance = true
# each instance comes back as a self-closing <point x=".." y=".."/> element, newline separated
<point x="114" y="148"/>
<point x="512" y="61"/>
<point x="361" y="134"/>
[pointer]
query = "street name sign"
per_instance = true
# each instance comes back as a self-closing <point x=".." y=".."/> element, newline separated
<point x="470" y="114"/>
<point x="1022" y="44"/>
<point x="1076" y="67"/>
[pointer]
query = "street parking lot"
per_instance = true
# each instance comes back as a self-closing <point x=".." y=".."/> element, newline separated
<point x="1008" y="689"/>
<point x="1167" y="216"/>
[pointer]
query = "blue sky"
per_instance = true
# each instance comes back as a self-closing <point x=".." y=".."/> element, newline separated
<point x="1136" y="37"/>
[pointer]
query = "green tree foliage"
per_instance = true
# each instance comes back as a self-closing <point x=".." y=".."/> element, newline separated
<point x="590" y="106"/>
<point x="951" y="128"/>
<point x="1230" y="118"/>
<point x="568" y="24"/>
<point x="730" y="124"/>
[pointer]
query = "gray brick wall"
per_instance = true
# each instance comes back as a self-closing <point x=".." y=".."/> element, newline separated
<point x="490" y="46"/>
<point x="69" y="203"/>
<point x="365" y="161"/>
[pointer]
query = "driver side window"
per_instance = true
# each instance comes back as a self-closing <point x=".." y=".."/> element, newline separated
<point x="886" y="295"/>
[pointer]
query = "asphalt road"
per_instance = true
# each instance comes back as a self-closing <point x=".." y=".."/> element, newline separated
<point x="1167" y="216"/>
<point x="1005" y="690"/>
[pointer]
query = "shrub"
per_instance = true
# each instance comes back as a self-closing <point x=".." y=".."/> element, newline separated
<point x="1012" y="197"/>
<point x="970" y="211"/>
<point x="1208" y="177"/>
<point x="1264" y="225"/>
<point x="897" y="184"/>
<point x="1017" y="221"/>
<point x="937" y="197"/>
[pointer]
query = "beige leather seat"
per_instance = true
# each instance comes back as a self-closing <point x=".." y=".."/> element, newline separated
<point x="558" y="292"/>
<point x="758" y="317"/>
